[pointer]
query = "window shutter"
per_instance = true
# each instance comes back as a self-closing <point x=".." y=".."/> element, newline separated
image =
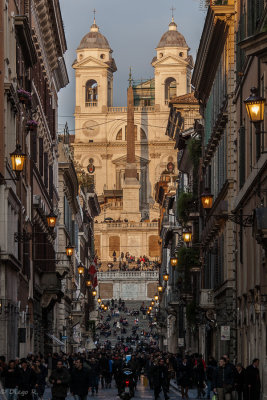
<point x="242" y="156"/>
<point x="46" y="170"/>
<point x="51" y="182"/>
<point x="41" y="155"/>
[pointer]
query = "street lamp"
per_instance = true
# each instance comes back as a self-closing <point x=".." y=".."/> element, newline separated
<point x="105" y="308"/>
<point x="187" y="235"/>
<point x="160" y="288"/>
<point x="51" y="219"/>
<point x="102" y="306"/>
<point x="152" y="303"/>
<point x="206" y="200"/>
<point x="99" y="300"/>
<point x="150" y="308"/>
<point x="255" y="106"/>
<point x="88" y="282"/>
<point x="80" y="269"/>
<point x="69" y="250"/>
<point x="156" y="297"/>
<point x="94" y="293"/>
<point x="166" y="277"/>
<point x="174" y="261"/>
<point x="17" y="159"/>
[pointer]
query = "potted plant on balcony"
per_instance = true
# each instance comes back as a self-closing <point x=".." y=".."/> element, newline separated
<point x="31" y="124"/>
<point x="184" y="205"/>
<point x="24" y="96"/>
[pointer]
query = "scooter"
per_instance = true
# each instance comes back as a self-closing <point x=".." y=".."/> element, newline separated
<point x="127" y="388"/>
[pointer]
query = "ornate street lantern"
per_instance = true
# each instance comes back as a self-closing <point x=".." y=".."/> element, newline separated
<point x="152" y="303"/>
<point x="88" y="282"/>
<point x="166" y="277"/>
<point x="80" y="269"/>
<point x="174" y="261"/>
<point x="206" y="200"/>
<point x="150" y="308"/>
<point x="148" y="312"/>
<point x="94" y="293"/>
<point x="105" y="308"/>
<point x="69" y="250"/>
<point x="156" y="297"/>
<point x="102" y="306"/>
<point x="255" y="106"/>
<point x="99" y="300"/>
<point x="187" y="235"/>
<point x="18" y="159"/>
<point x="160" y="288"/>
<point x="51" y="219"/>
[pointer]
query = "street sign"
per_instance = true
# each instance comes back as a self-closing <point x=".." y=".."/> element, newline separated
<point x="225" y="332"/>
<point x="64" y="337"/>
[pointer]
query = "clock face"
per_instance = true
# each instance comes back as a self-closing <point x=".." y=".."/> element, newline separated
<point x="91" y="128"/>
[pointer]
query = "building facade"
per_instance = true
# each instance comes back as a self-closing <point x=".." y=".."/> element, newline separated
<point x="101" y="137"/>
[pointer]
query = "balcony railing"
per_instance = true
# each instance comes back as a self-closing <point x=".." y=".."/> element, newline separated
<point x="128" y="275"/>
<point x="206" y="298"/>
<point x="91" y="104"/>
<point x="136" y="109"/>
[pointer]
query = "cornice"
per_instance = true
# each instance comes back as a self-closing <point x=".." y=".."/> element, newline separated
<point x="166" y="144"/>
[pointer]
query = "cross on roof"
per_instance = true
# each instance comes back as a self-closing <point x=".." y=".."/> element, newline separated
<point x="94" y="11"/>
<point x="172" y="10"/>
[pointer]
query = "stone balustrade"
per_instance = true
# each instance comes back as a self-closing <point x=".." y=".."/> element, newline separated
<point x="128" y="275"/>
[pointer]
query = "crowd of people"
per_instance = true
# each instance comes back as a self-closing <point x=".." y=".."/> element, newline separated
<point x="82" y="374"/>
<point x="128" y="262"/>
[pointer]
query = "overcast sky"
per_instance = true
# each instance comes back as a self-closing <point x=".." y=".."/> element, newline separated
<point x="133" y="29"/>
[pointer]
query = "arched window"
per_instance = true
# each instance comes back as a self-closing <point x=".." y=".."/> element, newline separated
<point x="91" y="93"/>
<point x="142" y="134"/>
<point x="170" y="88"/>
<point x="119" y="135"/>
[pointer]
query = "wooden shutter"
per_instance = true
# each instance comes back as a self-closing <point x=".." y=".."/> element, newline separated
<point x="46" y="170"/>
<point x="41" y="156"/>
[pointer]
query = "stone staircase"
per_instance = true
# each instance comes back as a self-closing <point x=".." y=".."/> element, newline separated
<point x="143" y="322"/>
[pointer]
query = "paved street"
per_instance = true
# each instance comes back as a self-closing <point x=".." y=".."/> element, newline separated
<point x="111" y="394"/>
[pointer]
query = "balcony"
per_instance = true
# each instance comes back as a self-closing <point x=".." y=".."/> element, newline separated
<point x="206" y="298"/>
<point x="91" y="104"/>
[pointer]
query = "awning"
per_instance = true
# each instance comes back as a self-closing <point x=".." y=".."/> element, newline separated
<point x="55" y="339"/>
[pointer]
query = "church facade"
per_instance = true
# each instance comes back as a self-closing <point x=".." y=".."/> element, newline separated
<point x="100" y="146"/>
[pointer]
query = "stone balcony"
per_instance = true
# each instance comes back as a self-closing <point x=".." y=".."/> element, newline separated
<point x="128" y="275"/>
<point x="206" y="298"/>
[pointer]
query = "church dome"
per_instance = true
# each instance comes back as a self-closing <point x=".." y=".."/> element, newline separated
<point x="172" y="38"/>
<point x="94" y="39"/>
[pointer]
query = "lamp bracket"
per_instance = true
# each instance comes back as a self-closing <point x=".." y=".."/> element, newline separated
<point x="244" y="220"/>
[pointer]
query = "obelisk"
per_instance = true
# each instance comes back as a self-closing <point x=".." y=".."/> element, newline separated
<point x="131" y="187"/>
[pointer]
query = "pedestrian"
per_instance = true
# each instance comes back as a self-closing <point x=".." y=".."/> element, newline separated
<point x="80" y="380"/>
<point x="122" y="255"/>
<point x="185" y="377"/>
<point x="160" y="379"/>
<point x="94" y="375"/>
<point x="26" y="381"/>
<point x="239" y="381"/>
<point x="41" y="373"/>
<point x="211" y="367"/>
<point x="223" y="380"/>
<point x="60" y="380"/>
<point x="252" y="379"/>
<point x="199" y="377"/>
<point x="11" y="377"/>
<point x="114" y="256"/>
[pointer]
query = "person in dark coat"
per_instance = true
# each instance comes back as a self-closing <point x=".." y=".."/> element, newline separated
<point x="80" y="381"/>
<point x="41" y="373"/>
<point x="211" y="367"/>
<point x="252" y="379"/>
<point x="60" y="380"/>
<point x="223" y="380"/>
<point x="185" y="377"/>
<point x="199" y="373"/>
<point x="239" y="381"/>
<point x="148" y="371"/>
<point x="11" y="377"/>
<point x="26" y="381"/>
<point x="160" y="379"/>
<point x="94" y="375"/>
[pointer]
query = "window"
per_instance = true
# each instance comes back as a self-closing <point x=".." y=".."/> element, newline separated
<point x="102" y="56"/>
<point x="119" y="135"/>
<point x="91" y="93"/>
<point x="114" y="245"/>
<point x="170" y="88"/>
<point x="154" y="247"/>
